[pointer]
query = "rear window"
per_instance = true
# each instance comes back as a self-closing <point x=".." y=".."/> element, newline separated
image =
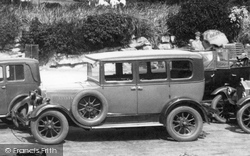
<point x="181" y="69"/>
<point x="15" y="72"/>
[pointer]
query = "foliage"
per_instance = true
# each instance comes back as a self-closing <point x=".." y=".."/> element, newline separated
<point x="94" y="33"/>
<point x="9" y="27"/>
<point x="241" y="17"/>
<point x="93" y="27"/>
<point x="106" y="30"/>
<point x="199" y="15"/>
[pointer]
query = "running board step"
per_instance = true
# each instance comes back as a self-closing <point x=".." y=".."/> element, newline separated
<point x="128" y="125"/>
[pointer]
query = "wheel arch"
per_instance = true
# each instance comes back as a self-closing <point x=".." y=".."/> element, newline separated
<point x="45" y="107"/>
<point x="182" y="102"/>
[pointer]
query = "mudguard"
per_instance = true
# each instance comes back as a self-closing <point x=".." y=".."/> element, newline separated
<point x="243" y="101"/>
<point x="15" y="100"/>
<point x="222" y="90"/>
<point x="184" y="102"/>
<point x="44" y="107"/>
<point x="23" y="119"/>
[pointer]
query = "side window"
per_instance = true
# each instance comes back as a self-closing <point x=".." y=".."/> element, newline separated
<point x="1" y="73"/>
<point x="118" y="71"/>
<point x="15" y="72"/>
<point x="181" y="69"/>
<point x="153" y="70"/>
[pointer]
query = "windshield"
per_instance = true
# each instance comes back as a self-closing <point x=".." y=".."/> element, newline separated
<point x="93" y="71"/>
<point x="208" y="59"/>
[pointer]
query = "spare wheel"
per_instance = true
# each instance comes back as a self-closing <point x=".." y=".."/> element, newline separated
<point x="89" y="108"/>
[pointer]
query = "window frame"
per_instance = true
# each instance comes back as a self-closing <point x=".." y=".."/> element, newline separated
<point x="15" y="80"/>
<point x="180" y="79"/>
<point x="118" y="82"/>
<point x="152" y="80"/>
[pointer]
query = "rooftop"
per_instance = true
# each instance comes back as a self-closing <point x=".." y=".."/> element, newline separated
<point x="142" y="55"/>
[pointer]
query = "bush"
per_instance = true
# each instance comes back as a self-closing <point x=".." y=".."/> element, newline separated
<point x="51" y="38"/>
<point x="9" y="27"/>
<point x="94" y="33"/>
<point x="111" y="30"/>
<point x="199" y="15"/>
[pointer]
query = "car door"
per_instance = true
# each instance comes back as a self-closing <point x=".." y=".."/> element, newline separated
<point x="119" y="87"/>
<point x="186" y="79"/>
<point x="3" y="106"/>
<point x="152" y="86"/>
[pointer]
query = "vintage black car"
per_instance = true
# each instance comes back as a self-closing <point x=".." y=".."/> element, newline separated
<point x="222" y="68"/>
<point x="234" y="103"/>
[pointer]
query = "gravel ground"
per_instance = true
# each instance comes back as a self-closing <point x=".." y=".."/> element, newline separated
<point x="217" y="140"/>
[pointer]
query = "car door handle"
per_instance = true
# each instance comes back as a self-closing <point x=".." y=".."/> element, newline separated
<point x="140" y="88"/>
<point x="133" y="88"/>
<point x="3" y="87"/>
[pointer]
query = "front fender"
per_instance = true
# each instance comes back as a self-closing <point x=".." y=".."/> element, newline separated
<point x="41" y="108"/>
<point x="243" y="101"/>
<point x="183" y="102"/>
<point x="44" y="107"/>
<point x="223" y="90"/>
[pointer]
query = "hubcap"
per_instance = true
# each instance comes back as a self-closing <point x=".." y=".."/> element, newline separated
<point x="49" y="126"/>
<point x="184" y="123"/>
<point x="89" y="107"/>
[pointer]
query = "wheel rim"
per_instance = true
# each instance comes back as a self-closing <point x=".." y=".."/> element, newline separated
<point x="184" y="123"/>
<point x="246" y="117"/>
<point x="89" y="107"/>
<point x="220" y="108"/>
<point x="50" y="126"/>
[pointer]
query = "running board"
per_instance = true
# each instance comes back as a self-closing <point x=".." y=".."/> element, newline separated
<point x="128" y="125"/>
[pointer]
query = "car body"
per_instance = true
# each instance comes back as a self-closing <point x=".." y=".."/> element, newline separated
<point x="18" y="76"/>
<point x="234" y="103"/>
<point x="221" y="69"/>
<point x="127" y="89"/>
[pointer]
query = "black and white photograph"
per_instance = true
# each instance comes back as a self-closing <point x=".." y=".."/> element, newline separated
<point x="124" y="77"/>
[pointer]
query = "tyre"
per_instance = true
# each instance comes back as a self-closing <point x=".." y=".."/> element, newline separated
<point x="243" y="118"/>
<point x="89" y="108"/>
<point x="51" y="127"/>
<point x="218" y="104"/>
<point x="184" y="124"/>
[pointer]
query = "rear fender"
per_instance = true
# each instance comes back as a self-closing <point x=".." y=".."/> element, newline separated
<point x="16" y="100"/>
<point x="45" y="107"/>
<point x="183" y="102"/>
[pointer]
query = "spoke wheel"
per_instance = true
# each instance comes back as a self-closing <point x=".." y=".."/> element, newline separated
<point x="51" y="127"/>
<point x="218" y="103"/>
<point x="89" y="108"/>
<point x="184" y="124"/>
<point x="243" y="118"/>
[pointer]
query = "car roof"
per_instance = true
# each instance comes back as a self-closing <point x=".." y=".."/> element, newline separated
<point x="142" y="55"/>
<point x="16" y="59"/>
